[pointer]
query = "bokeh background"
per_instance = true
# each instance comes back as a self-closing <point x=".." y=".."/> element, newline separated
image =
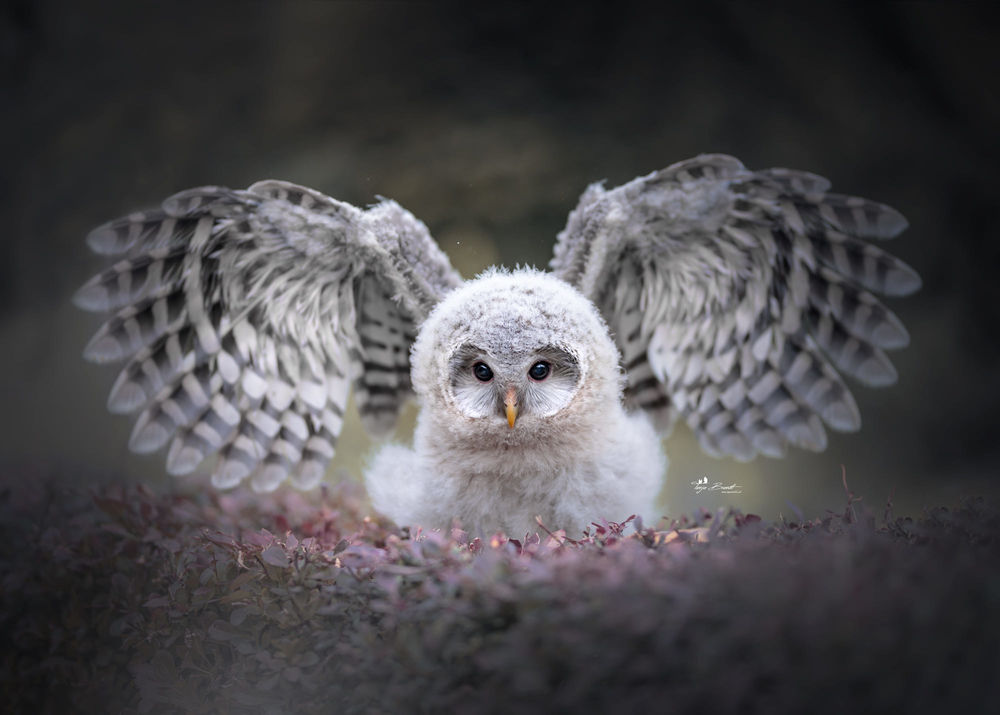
<point x="487" y="123"/>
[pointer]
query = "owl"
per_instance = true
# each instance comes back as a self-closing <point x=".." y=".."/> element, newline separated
<point x="731" y="298"/>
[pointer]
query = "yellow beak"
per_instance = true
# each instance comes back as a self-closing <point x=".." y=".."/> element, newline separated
<point x="510" y="400"/>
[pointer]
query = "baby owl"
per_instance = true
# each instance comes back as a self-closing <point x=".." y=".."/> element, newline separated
<point x="726" y="296"/>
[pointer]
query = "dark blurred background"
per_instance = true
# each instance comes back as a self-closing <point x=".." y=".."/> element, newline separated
<point x="488" y="124"/>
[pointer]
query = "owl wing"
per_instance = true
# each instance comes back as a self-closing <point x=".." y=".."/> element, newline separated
<point x="733" y="295"/>
<point x="243" y="317"/>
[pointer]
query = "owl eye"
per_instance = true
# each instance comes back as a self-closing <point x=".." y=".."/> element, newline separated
<point x="539" y="371"/>
<point x="482" y="372"/>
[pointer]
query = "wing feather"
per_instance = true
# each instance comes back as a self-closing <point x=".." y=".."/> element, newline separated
<point x="739" y="293"/>
<point x="244" y="316"/>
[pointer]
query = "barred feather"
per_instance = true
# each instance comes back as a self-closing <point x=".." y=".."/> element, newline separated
<point x="385" y="337"/>
<point x="131" y="279"/>
<point x="750" y="285"/>
<point x="135" y="327"/>
<point x="243" y="318"/>
<point x="642" y="389"/>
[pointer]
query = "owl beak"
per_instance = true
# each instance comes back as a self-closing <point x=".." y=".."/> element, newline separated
<point x="510" y="401"/>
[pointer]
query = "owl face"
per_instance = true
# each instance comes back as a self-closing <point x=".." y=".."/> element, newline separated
<point x="526" y="384"/>
<point x="514" y="357"/>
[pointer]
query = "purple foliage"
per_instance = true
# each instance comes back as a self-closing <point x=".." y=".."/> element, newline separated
<point x="125" y="600"/>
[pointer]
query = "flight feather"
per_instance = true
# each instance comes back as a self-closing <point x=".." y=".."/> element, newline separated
<point x="244" y="316"/>
<point x="736" y="296"/>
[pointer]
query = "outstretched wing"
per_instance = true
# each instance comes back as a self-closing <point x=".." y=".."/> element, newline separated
<point x="732" y="294"/>
<point x="244" y="316"/>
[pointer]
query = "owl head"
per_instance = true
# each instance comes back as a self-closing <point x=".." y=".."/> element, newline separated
<point x="514" y="357"/>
